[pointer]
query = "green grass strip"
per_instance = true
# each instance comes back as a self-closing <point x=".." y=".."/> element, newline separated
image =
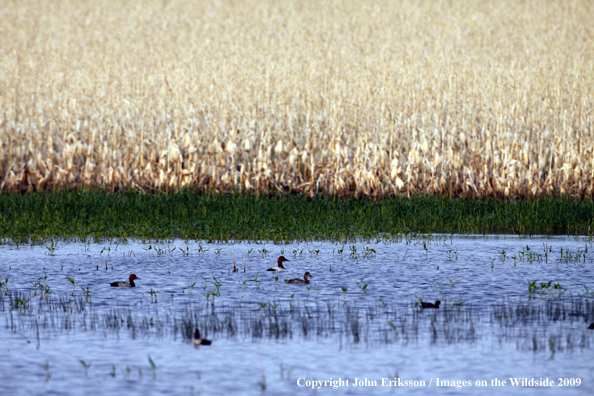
<point x="39" y="217"/>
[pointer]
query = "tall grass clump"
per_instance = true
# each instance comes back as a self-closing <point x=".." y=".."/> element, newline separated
<point x="474" y="98"/>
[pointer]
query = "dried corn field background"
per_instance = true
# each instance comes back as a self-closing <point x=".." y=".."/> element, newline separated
<point x="467" y="98"/>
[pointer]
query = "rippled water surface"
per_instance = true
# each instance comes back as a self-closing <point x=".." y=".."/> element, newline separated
<point x="357" y="319"/>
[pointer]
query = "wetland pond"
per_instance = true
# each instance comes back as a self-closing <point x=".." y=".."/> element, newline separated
<point x="512" y="308"/>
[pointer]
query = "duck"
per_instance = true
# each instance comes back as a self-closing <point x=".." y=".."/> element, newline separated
<point x="429" y="305"/>
<point x="125" y="284"/>
<point x="306" y="277"/>
<point x="280" y="267"/>
<point x="198" y="341"/>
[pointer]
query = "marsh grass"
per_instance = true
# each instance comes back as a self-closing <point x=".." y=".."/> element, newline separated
<point x="96" y="215"/>
<point x="528" y="323"/>
<point x="524" y="322"/>
<point x="337" y="97"/>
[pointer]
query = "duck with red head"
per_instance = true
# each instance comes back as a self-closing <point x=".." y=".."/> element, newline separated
<point x="125" y="284"/>
<point x="279" y="267"/>
<point x="198" y="340"/>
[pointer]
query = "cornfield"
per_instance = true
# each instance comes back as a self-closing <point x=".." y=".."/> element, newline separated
<point x="374" y="98"/>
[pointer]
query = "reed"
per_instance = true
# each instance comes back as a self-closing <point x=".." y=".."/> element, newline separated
<point x="396" y="97"/>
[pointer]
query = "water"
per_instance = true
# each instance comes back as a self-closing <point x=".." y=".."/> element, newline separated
<point x="490" y="325"/>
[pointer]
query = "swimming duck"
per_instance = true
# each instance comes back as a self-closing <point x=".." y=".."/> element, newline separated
<point x="125" y="284"/>
<point x="306" y="277"/>
<point x="198" y="341"/>
<point x="429" y="305"/>
<point x="280" y="265"/>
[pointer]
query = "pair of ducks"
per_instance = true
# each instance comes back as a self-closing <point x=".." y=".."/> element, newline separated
<point x="281" y="268"/>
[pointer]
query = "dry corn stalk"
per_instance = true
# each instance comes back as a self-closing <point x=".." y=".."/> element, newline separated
<point x="336" y="97"/>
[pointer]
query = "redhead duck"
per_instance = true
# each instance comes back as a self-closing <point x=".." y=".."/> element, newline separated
<point x="280" y="267"/>
<point x="198" y="341"/>
<point x="429" y="305"/>
<point x="306" y="277"/>
<point x="125" y="284"/>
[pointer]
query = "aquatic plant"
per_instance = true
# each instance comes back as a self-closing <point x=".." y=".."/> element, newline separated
<point x="369" y="252"/>
<point x="394" y="327"/>
<point x="153" y="294"/>
<point x="207" y="296"/>
<point x="48" y="375"/>
<point x="87" y="293"/>
<point x="153" y="367"/>
<point x="217" y="284"/>
<point x="37" y="284"/>
<point x="201" y="250"/>
<point x="256" y="281"/>
<point x="518" y="321"/>
<point x="71" y="280"/>
<point x="502" y="254"/>
<point x="362" y="287"/>
<point x="206" y="281"/>
<point x="4" y="285"/>
<point x="51" y="249"/>
<point x="86" y="366"/>
<point x="419" y="302"/>
<point x="344" y="290"/>
<point x="213" y="294"/>
<point x="20" y="303"/>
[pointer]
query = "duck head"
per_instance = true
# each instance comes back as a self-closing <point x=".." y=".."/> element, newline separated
<point x="281" y="259"/>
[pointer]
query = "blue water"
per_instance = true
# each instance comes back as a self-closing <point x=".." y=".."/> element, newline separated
<point x="41" y="351"/>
